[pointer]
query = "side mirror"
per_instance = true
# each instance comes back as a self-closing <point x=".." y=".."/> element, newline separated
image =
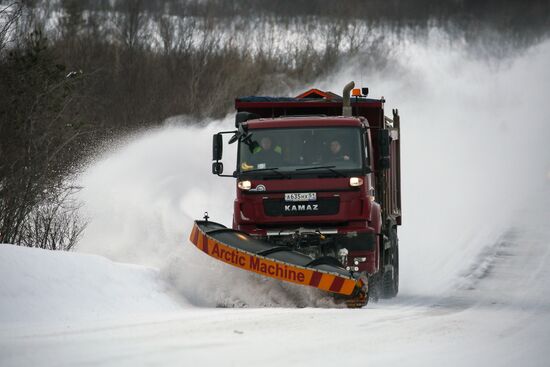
<point x="240" y="134"/>
<point x="217" y="147"/>
<point x="217" y="168"/>
<point x="384" y="141"/>
<point x="384" y="163"/>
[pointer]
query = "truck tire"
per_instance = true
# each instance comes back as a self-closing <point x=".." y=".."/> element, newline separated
<point x="374" y="287"/>
<point x="390" y="276"/>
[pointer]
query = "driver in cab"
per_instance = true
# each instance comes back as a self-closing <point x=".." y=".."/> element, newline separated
<point x="266" y="155"/>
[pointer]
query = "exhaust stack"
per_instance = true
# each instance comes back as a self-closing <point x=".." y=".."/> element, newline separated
<point x="346" y="105"/>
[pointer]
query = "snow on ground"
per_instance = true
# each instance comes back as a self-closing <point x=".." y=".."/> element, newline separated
<point x="501" y="319"/>
<point x="45" y="287"/>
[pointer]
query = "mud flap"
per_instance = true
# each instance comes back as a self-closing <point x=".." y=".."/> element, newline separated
<point x="279" y="262"/>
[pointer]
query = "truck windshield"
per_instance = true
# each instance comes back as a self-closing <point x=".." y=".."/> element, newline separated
<point x="301" y="150"/>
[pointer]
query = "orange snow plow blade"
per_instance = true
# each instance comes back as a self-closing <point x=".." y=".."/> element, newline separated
<point x="243" y="251"/>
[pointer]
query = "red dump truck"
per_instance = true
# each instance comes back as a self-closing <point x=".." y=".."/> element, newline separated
<point x="318" y="193"/>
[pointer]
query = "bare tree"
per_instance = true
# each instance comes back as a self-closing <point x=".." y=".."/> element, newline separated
<point x="9" y="16"/>
<point x="130" y="22"/>
<point x="40" y="132"/>
<point x="55" y="223"/>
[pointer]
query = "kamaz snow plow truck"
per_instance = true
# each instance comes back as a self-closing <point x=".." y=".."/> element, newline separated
<point x="318" y="196"/>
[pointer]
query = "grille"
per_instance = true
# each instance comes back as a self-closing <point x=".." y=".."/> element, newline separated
<point x="323" y="206"/>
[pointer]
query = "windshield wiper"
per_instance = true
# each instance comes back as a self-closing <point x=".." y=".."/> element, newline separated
<point x="274" y="169"/>
<point x="330" y="168"/>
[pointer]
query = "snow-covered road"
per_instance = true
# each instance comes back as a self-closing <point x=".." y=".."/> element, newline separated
<point x="500" y="315"/>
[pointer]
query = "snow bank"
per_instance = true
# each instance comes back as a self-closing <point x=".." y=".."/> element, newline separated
<point x="40" y="286"/>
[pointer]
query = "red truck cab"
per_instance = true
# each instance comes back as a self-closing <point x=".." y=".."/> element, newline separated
<point x="321" y="183"/>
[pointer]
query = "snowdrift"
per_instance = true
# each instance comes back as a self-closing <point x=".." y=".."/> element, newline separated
<point x="40" y="286"/>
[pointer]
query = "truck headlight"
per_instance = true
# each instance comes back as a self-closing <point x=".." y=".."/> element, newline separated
<point x="355" y="181"/>
<point x="244" y="185"/>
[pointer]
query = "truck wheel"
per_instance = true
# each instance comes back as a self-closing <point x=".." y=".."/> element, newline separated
<point x="374" y="288"/>
<point x="390" y="277"/>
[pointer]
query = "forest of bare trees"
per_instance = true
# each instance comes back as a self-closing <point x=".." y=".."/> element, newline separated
<point x="75" y="73"/>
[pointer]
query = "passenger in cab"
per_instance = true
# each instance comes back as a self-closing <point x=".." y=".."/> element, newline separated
<point x="336" y="153"/>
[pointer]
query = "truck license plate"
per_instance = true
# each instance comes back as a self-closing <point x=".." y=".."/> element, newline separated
<point x="301" y="196"/>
